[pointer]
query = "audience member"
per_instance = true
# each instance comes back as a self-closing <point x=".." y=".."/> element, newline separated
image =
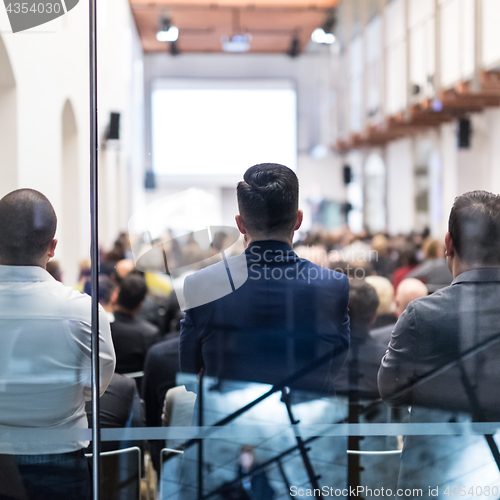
<point x="45" y="348"/>
<point x="408" y="290"/>
<point x="434" y="271"/>
<point x="54" y="269"/>
<point x="385" y="292"/>
<point x="120" y="406"/>
<point x="288" y="313"/>
<point x="132" y="336"/>
<point x="436" y="331"/>
<point x="382" y="263"/>
<point x="160" y="369"/>
<point x="409" y="262"/>
<point x="359" y="374"/>
<point x="106" y="289"/>
<point x="159" y="308"/>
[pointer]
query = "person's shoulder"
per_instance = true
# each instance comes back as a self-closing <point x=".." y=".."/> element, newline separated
<point x="383" y="333"/>
<point x="70" y="302"/>
<point x="146" y="327"/>
<point x="323" y="275"/>
<point x="122" y="384"/>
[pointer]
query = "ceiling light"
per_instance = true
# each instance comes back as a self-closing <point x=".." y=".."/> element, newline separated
<point x="236" y="43"/>
<point x="169" y="35"/>
<point x="319" y="36"/>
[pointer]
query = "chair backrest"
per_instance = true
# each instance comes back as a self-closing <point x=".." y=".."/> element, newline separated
<point x="121" y="474"/>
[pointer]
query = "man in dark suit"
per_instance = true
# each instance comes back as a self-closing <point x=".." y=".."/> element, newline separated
<point x="438" y="330"/>
<point x="132" y="336"/>
<point x="285" y="315"/>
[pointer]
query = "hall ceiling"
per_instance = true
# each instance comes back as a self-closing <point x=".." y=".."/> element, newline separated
<point x="273" y="24"/>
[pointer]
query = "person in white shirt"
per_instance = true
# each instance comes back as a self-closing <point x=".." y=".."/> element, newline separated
<point x="45" y="358"/>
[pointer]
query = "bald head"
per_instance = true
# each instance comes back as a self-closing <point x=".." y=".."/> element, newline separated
<point x="27" y="228"/>
<point x="124" y="267"/>
<point x="408" y="290"/>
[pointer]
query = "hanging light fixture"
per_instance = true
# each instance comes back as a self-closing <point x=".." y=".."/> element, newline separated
<point x="167" y="32"/>
<point x="238" y="42"/>
<point x="319" y="36"/>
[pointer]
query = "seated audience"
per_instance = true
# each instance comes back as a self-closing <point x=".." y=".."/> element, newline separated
<point x="385" y="292"/>
<point x="433" y="271"/>
<point x="408" y="261"/>
<point x="120" y="406"/>
<point x="159" y="308"/>
<point x="408" y="290"/>
<point x="106" y="289"/>
<point x="359" y="373"/>
<point x="160" y="369"/>
<point x="382" y="264"/>
<point x="132" y="336"/>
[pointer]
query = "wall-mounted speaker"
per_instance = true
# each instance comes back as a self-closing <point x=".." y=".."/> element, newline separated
<point x="114" y="126"/>
<point x="347" y="174"/>
<point x="150" y="180"/>
<point x="464" y="133"/>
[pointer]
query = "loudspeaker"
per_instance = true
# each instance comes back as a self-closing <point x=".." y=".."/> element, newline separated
<point x="294" y="49"/>
<point x="347" y="174"/>
<point x="464" y="133"/>
<point x="114" y="126"/>
<point x="150" y="180"/>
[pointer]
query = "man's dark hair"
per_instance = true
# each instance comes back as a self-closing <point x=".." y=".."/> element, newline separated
<point x="363" y="302"/>
<point x="132" y="292"/>
<point x="27" y="226"/>
<point x="474" y="227"/>
<point x="268" y="198"/>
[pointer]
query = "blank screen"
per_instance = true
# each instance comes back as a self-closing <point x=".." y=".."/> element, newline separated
<point x="222" y="131"/>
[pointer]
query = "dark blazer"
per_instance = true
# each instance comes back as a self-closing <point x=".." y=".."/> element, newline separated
<point x="120" y="406"/>
<point x="359" y="374"/>
<point x="287" y="313"/>
<point x="132" y="337"/>
<point x="438" y="329"/>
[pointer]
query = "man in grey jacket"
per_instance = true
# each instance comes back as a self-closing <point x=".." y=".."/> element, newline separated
<point x="456" y="331"/>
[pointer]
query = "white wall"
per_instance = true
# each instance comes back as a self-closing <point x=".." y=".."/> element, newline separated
<point x="50" y="68"/>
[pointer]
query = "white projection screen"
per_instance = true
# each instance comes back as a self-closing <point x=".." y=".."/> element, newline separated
<point x="222" y="127"/>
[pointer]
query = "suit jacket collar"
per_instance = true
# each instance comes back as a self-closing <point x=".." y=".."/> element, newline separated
<point x="270" y="250"/>
<point x="478" y="276"/>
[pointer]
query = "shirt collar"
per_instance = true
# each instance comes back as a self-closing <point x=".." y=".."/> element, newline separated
<point x="478" y="275"/>
<point x="24" y="273"/>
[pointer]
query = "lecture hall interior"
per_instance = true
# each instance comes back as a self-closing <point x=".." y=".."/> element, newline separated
<point x="386" y="111"/>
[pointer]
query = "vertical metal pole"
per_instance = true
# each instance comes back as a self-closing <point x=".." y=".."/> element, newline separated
<point x="478" y="45"/>
<point x="200" y="441"/>
<point x="437" y="49"/>
<point x="94" y="251"/>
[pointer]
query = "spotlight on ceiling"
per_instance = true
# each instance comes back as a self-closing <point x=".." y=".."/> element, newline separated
<point x="167" y="32"/>
<point x="319" y="36"/>
<point x="236" y="43"/>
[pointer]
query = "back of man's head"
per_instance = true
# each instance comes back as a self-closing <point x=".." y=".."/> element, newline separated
<point x="409" y="289"/>
<point x="132" y="292"/>
<point x="268" y="199"/>
<point x="27" y="226"/>
<point x="474" y="227"/>
<point x="363" y="303"/>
